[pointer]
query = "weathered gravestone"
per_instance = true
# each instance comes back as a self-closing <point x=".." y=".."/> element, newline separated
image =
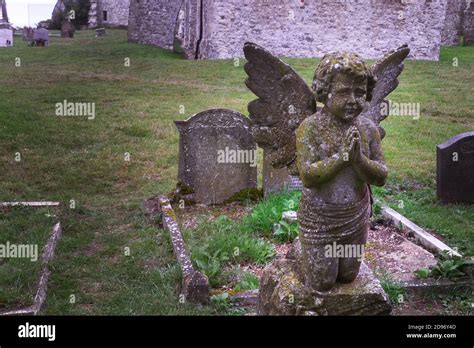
<point x="217" y="156"/>
<point x="99" y="32"/>
<point x="41" y="37"/>
<point x="67" y="30"/>
<point x="455" y="169"/>
<point x="28" y="34"/>
<point x="6" y="35"/>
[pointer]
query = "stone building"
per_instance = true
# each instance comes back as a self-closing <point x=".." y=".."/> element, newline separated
<point x="468" y="24"/>
<point x="458" y="21"/>
<point x="102" y="13"/>
<point x="451" y="34"/>
<point x="109" y="13"/>
<point x="215" y="29"/>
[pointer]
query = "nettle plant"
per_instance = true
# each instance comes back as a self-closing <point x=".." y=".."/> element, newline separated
<point x="211" y="264"/>
<point x="248" y="281"/>
<point x="285" y="232"/>
<point x="448" y="266"/>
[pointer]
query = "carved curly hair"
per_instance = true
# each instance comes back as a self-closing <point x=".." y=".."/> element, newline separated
<point x="335" y="63"/>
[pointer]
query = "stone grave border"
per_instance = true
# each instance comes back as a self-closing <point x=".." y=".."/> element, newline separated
<point x="427" y="240"/>
<point x="195" y="285"/>
<point x="29" y="204"/>
<point x="40" y="297"/>
<point x="434" y="245"/>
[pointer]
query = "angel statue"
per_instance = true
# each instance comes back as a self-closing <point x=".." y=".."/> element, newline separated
<point x="335" y="149"/>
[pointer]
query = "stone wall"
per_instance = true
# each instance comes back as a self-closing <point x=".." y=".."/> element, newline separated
<point x="94" y="10"/>
<point x="294" y="28"/>
<point x="468" y="24"/>
<point x="459" y="21"/>
<point x="188" y="28"/>
<point x="314" y="28"/>
<point x="154" y="22"/>
<point x="117" y="13"/>
<point x="453" y="23"/>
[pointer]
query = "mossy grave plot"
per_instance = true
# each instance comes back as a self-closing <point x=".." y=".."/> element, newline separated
<point x="23" y="234"/>
<point x="232" y="245"/>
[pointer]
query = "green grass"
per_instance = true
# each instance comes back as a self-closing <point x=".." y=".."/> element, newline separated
<point x="248" y="281"/>
<point x="269" y="212"/>
<point x="394" y="289"/>
<point x="459" y="303"/>
<point x="453" y="221"/>
<point x="224" y="242"/>
<point x="19" y="277"/>
<point x="69" y="158"/>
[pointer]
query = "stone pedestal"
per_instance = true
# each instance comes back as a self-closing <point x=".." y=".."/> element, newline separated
<point x="282" y="292"/>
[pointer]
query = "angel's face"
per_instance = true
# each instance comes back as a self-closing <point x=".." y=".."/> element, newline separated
<point x="347" y="96"/>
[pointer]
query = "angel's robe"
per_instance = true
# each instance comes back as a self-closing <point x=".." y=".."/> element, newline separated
<point x="322" y="223"/>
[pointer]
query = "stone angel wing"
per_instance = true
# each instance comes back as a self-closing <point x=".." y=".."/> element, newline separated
<point x="284" y="101"/>
<point x="386" y="72"/>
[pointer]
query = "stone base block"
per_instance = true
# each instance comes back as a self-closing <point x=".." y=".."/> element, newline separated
<point x="282" y="292"/>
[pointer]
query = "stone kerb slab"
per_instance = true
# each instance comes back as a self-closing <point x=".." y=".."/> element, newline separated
<point x="424" y="238"/>
<point x="217" y="156"/>
<point x="195" y="286"/>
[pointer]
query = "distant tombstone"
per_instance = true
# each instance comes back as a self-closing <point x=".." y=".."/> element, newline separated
<point x="278" y="179"/>
<point x="67" y="30"/>
<point x="99" y="32"/>
<point x="41" y="37"/>
<point x="217" y="156"/>
<point x="28" y="34"/>
<point x="6" y="36"/>
<point x="455" y="169"/>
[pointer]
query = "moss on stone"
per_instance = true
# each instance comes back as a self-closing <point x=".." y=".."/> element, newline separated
<point x="169" y="212"/>
<point x="183" y="188"/>
<point x="252" y="194"/>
